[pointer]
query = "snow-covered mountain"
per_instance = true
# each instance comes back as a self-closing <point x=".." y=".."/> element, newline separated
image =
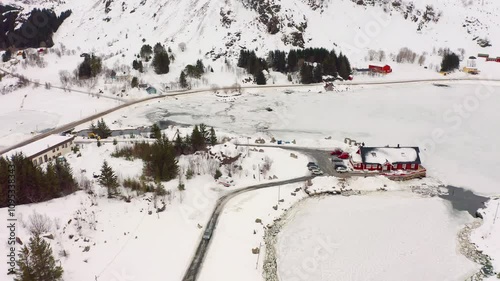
<point x="223" y="27"/>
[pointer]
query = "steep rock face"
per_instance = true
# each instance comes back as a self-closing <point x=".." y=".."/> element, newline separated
<point x="31" y="30"/>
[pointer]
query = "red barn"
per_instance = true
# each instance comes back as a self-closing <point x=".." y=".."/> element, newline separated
<point x="381" y="69"/>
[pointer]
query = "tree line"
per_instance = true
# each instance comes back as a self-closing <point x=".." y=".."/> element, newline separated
<point x="253" y="65"/>
<point x="160" y="57"/>
<point x="34" y="184"/>
<point x="160" y="163"/>
<point x="36" y="31"/>
<point x="312" y="64"/>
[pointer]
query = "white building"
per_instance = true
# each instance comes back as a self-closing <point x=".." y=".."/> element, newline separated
<point x="46" y="149"/>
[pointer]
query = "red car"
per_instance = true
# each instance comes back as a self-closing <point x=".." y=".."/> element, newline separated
<point x="344" y="155"/>
<point x="336" y="152"/>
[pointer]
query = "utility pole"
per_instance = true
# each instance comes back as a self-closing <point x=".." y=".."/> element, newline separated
<point x="496" y="213"/>
<point x="258" y="255"/>
<point x="279" y="189"/>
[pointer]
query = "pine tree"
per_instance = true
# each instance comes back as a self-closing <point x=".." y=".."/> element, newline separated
<point x="200" y="67"/>
<point x="213" y="137"/>
<point x="135" y="82"/>
<point x="162" y="165"/>
<point x="450" y="62"/>
<point x="155" y="130"/>
<point x="317" y="74"/>
<point x="102" y="129"/>
<point x="158" y="48"/>
<point x="108" y="179"/>
<point x="260" y="78"/>
<point x="179" y="145"/>
<point x="146" y="51"/>
<point x="204" y="132"/>
<point x="182" y="80"/>
<point x="161" y="62"/>
<point x="37" y="263"/>
<point x="197" y="139"/>
<point x="292" y="61"/>
<point x="306" y="76"/>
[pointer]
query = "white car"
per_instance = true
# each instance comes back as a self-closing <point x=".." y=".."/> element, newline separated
<point x="317" y="172"/>
<point x="341" y="169"/>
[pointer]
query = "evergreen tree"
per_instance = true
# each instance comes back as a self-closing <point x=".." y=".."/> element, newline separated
<point x="317" y="74"/>
<point x="306" y="76"/>
<point x="329" y="66"/>
<point x="450" y="62"/>
<point x="292" y="61"/>
<point x="155" y="130"/>
<point x="135" y="82"/>
<point x="141" y="67"/>
<point x="95" y="65"/>
<point x="197" y="139"/>
<point x="213" y="137"/>
<point x="200" y="67"/>
<point x="158" y="48"/>
<point x="182" y="80"/>
<point x="161" y="62"/>
<point x="102" y="129"/>
<point x="204" y="132"/>
<point x="260" y="78"/>
<point x="218" y="174"/>
<point x="161" y="164"/>
<point x="179" y="145"/>
<point x="36" y="262"/>
<point x="108" y="179"/>
<point x="146" y="51"/>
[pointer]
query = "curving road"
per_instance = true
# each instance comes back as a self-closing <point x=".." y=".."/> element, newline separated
<point x="199" y="256"/>
<point x="201" y="90"/>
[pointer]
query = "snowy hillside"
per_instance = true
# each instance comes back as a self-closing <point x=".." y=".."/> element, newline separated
<point x="217" y="28"/>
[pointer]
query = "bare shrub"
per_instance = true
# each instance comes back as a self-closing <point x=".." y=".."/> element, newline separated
<point x="406" y="55"/>
<point x="65" y="78"/>
<point x="39" y="224"/>
<point x="381" y="55"/>
<point x="421" y="59"/>
<point x="371" y="55"/>
<point x="268" y="163"/>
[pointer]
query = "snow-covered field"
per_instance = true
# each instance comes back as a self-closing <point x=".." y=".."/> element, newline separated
<point x="123" y="238"/>
<point x="386" y="236"/>
<point x="29" y="110"/>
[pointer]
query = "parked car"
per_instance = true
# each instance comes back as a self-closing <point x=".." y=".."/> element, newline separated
<point x="336" y="152"/>
<point x="312" y="165"/>
<point x="341" y="169"/>
<point x="344" y="155"/>
<point x="313" y="168"/>
<point x="337" y="160"/>
<point x="337" y="165"/>
<point x="317" y="172"/>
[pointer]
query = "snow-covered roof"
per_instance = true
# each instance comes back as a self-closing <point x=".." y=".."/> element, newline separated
<point x="39" y="145"/>
<point x="393" y="155"/>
